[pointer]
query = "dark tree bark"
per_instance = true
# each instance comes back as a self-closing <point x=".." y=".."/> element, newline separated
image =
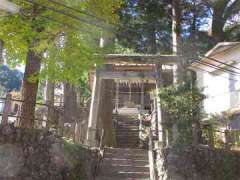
<point x="70" y="103"/>
<point x="152" y="45"/>
<point x="218" y="21"/>
<point x="176" y="38"/>
<point x="29" y="90"/>
<point x="176" y="25"/>
<point x="222" y="11"/>
<point x="106" y="109"/>
<point x="1" y="51"/>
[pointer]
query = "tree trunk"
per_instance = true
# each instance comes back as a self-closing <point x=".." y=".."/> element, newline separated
<point x="106" y="113"/>
<point x="176" y="38"/>
<point x="29" y="90"/>
<point x="1" y="51"/>
<point x="70" y="103"/>
<point x="217" y="26"/>
<point x="176" y="26"/>
<point x="50" y="102"/>
<point x="218" y="21"/>
<point x="152" y="45"/>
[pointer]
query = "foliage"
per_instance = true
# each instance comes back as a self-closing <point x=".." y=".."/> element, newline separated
<point x="119" y="49"/>
<point x="145" y="26"/>
<point x="147" y="23"/>
<point x="10" y="79"/>
<point x="67" y="46"/>
<point x="182" y="104"/>
<point x="84" y="88"/>
<point x="78" y="157"/>
<point x="218" y="124"/>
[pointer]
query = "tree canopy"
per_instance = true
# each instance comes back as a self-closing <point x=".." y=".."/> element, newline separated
<point x="66" y="34"/>
<point x="147" y="25"/>
<point x="56" y="40"/>
<point x="10" y="79"/>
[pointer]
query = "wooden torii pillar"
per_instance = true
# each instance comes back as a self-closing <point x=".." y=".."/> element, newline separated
<point x="160" y="122"/>
<point x="117" y="97"/>
<point x="142" y="94"/>
<point x="94" y="111"/>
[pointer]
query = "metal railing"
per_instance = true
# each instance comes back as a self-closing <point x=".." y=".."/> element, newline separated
<point x="222" y="139"/>
<point x="100" y="155"/>
<point x="151" y="156"/>
<point x="11" y="113"/>
<point x="150" y="133"/>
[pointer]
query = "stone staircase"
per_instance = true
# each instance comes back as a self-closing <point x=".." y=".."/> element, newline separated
<point x="127" y="161"/>
<point x="127" y="133"/>
<point x="124" y="164"/>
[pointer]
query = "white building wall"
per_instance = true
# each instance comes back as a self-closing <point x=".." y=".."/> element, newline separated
<point x="222" y="91"/>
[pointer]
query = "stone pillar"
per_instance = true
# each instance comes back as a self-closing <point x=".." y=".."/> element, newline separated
<point x="49" y="100"/>
<point x="117" y="97"/>
<point x="142" y="95"/>
<point x="93" y="115"/>
<point x="160" y="123"/>
<point x="130" y="93"/>
<point x="154" y="120"/>
<point x="175" y="74"/>
<point x="6" y="109"/>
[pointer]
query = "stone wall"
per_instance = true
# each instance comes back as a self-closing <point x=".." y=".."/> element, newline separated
<point x="202" y="163"/>
<point x="27" y="154"/>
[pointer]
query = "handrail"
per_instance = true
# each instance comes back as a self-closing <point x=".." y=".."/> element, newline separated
<point x="150" y="144"/>
<point x="151" y="156"/>
<point x="100" y="155"/>
<point x="140" y="128"/>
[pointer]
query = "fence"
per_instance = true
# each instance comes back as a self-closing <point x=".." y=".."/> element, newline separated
<point x="221" y="138"/>
<point x="10" y="112"/>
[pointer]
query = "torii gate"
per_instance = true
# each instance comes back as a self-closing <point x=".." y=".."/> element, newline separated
<point x="107" y="72"/>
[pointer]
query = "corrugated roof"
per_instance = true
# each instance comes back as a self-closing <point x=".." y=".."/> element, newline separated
<point x="214" y="58"/>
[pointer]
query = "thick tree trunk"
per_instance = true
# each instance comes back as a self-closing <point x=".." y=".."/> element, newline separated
<point x="1" y="51"/>
<point x="106" y="113"/>
<point x="29" y="90"/>
<point x="218" y="22"/>
<point x="70" y="103"/>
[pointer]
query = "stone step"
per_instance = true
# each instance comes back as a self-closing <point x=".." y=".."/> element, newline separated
<point x="127" y="145"/>
<point x="125" y="130"/>
<point x="125" y="154"/>
<point x="131" y="158"/>
<point x="115" y="167"/>
<point x="127" y="139"/>
<point x="131" y="144"/>
<point x="126" y="133"/>
<point x="126" y="117"/>
<point x="128" y="126"/>
<point x="125" y="174"/>
<point x="127" y="123"/>
<point x="114" y="178"/>
<point x="134" y="153"/>
<point x="125" y="150"/>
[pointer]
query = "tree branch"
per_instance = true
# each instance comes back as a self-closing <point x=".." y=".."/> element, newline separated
<point x="234" y="8"/>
